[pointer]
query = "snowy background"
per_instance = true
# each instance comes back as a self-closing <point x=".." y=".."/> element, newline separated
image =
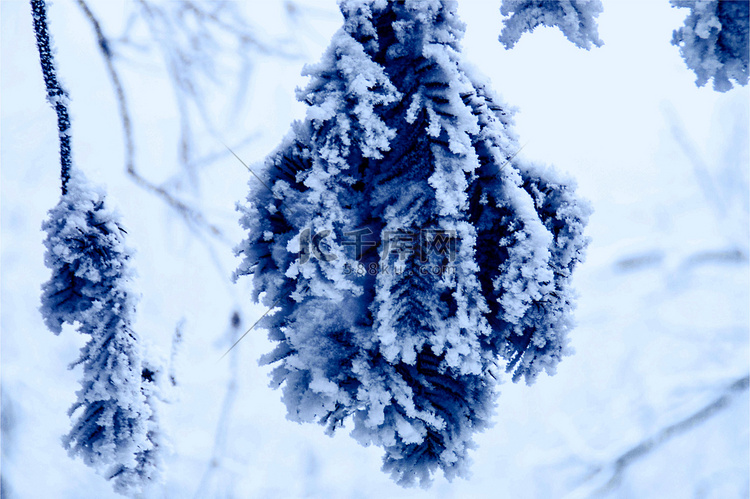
<point x="647" y="407"/>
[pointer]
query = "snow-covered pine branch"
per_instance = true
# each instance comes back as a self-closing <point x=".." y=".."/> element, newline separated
<point x="575" y="18"/>
<point x="115" y="426"/>
<point x="404" y="249"/>
<point x="714" y="41"/>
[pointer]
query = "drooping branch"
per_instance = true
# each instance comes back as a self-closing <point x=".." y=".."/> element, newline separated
<point x="575" y="18"/>
<point x="441" y="256"/>
<point x="56" y="94"/>
<point x="194" y="37"/>
<point x="191" y="216"/>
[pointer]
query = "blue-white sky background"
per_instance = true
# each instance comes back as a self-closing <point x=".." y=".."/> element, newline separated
<point x="664" y="293"/>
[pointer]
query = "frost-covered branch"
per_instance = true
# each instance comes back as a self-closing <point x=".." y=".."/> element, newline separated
<point x="575" y="18"/>
<point x="714" y="41"/>
<point x="404" y="246"/>
<point x="56" y="95"/>
<point x="115" y="428"/>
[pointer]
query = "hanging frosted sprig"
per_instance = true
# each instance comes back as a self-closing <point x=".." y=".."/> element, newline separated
<point x="403" y="250"/>
<point x="115" y="426"/>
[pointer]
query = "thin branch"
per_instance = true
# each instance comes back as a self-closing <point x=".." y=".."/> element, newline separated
<point x="619" y="466"/>
<point x="248" y="168"/>
<point x="56" y="94"/>
<point x="250" y="329"/>
<point x="700" y="169"/>
<point x="214" y="156"/>
<point x="190" y="215"/>
<point x="222" y="427"/>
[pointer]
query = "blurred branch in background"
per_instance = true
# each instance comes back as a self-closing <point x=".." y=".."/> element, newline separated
<point x="201" y="43"/>
<point x="700" y="169"/>
<point x="616" y="469"/>
<point x="723" y="181"/>
<point x="218" y="478"/>
<point x="205" y="47"/>
<point x="300" y="15"/>
<point x="191" y="216"/>
<point x="695" y="283"/>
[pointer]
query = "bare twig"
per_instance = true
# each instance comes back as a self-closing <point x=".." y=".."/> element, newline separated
<point x="191" y="216"/>
<point x="248" y="168"/>
<point x="509" y="159"/>
<point x="177" y="341"/>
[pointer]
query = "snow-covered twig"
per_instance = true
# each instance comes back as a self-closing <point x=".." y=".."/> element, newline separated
<point x="56" y="94"/>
